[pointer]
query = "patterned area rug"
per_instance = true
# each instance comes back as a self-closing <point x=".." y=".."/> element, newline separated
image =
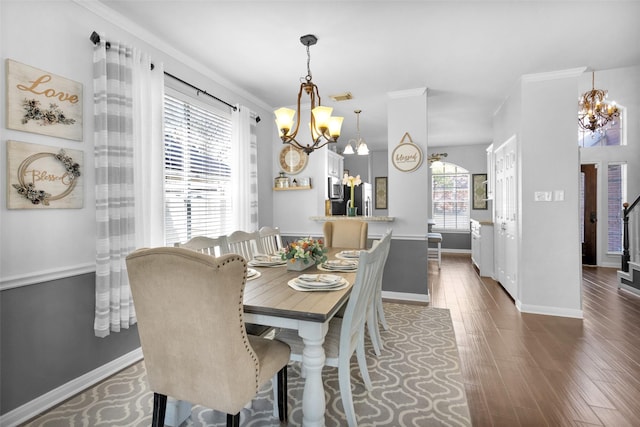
<point x="416" y="382"/>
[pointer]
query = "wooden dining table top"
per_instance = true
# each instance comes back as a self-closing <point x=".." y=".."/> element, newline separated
<point x="270" y="294"/>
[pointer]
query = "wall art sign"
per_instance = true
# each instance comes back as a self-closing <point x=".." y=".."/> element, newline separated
<point x="407" y="156"/>
<point x="41" y="177"/>
<point x="479" y="191"/>
<point x="381" y="192"/>
<point x="42" y="102"/>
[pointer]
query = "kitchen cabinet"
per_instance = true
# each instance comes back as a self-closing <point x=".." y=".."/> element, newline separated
<point x="335" y="164"/>
<point x="482" y="247"/>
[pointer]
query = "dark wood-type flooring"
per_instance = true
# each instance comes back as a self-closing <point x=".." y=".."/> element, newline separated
<point x="533" y="370"/>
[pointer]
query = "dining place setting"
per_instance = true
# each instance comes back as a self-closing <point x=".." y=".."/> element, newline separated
<point x="267" y="260"/>
<point x="318" y="282"/>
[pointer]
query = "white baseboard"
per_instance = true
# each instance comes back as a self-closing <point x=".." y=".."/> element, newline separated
<point x="549" y="311"/>
<point x="403" y="296"/>
<point x="46" y="401"/>
<point x="629" y="289"/>
<point x="37" y="277"/>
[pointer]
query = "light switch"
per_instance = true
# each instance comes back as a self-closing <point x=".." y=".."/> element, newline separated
<point x="542" y="196"/>
<point x="558" y="195"/>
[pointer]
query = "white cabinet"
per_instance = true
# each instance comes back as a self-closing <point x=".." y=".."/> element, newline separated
<point x="335" y="164"/>
<point x="482" y="247"/>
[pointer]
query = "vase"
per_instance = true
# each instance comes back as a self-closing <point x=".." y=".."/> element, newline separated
<point x="352" y="211"/>
<point x="299" y="265"/>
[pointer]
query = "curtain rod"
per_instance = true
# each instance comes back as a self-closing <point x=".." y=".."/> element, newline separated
<point x="95" y="38"/>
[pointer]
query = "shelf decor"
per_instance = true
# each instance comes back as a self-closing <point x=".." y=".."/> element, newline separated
<point x="41" y="102"/>
<point x="479" y="181"/>
<point x="43" y="177"/>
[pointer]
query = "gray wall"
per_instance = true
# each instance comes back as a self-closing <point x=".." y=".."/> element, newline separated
<point x="47" y="339"/>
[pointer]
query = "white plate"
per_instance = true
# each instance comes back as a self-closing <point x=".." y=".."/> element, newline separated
<point x="348" y="255"/>
<point x="295" y="285"/>
<point x="253" y="274"/>
<point x="255" y="263"/>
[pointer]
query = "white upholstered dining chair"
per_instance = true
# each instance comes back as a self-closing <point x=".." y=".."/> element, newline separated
<point x="193" y="338"/>
<point x="346" y="334"/>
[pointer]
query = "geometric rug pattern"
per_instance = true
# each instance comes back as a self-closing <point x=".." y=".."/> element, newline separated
<point x="416" y="382"/>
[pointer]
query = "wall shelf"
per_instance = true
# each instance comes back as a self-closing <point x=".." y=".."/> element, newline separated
<point x="299" y="187"/>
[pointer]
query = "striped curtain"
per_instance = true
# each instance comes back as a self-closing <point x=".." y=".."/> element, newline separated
<point x="246" y="170"/>
<point x="125" y="124"/>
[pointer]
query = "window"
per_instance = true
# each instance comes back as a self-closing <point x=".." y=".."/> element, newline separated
<point x="197" y="169"/>
<point x="610" y="135"/>
<point x="450" y="197"/>
<point x="615" y="195"/>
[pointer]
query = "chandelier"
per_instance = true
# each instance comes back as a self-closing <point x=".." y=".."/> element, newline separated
<point x="435" y="159"/>
<point x="359" y="143"/>
<point x="594" y="113"/>
<point x="323" y="127"/>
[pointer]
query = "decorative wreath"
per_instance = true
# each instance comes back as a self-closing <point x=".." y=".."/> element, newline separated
<point x="36" y="196"/>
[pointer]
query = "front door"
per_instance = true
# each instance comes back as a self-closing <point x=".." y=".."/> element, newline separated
<point x="589" y="214"/>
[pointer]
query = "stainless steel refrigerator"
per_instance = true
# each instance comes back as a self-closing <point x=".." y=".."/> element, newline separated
<point x="362" y="198"/>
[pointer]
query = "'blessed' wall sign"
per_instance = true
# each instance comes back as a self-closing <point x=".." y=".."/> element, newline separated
<point x="407" y="156"/>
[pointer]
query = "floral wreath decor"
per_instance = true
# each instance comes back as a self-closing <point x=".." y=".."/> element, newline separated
<point x="30" y="192"/>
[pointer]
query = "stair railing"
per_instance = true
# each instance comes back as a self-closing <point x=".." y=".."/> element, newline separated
<point x="626" y="255"/>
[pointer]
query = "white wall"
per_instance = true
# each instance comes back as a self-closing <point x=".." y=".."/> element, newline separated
<point x="548" y="273"/>
<point x="38" y="244"/>
<point x="549" y="161"/>
<point x="407" y="191"/>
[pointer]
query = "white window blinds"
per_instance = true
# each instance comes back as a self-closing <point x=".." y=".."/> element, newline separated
<point x="197" y="143"/>
<point x="450" y="197"/>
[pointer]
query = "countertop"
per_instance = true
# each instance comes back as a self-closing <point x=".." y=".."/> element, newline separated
<point x="353" y="218"/>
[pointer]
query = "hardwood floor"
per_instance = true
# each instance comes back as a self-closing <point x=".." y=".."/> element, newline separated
<point x="533" y="370"/>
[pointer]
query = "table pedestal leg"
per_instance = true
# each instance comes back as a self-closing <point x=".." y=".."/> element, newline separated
<point x="313" y="357"/>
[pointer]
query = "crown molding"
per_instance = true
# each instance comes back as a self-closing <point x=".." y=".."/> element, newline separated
<point x="553" y="75"/>
<point x="126" y="24"/>
<point x="407" y="93"/>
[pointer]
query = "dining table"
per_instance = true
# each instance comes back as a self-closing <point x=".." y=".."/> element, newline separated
<point x="269" y="300"/>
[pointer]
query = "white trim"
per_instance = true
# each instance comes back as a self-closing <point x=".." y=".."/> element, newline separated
<point x="549" y="311"/>
<point x="553" y="75"/>
<point x="33" y="278"/>
<point x="407" y="93"/>
<point x="628" y="288"/>
<point x="455" y="251"/>
<point x="405" y="296"/>
<point x="65" y="391"/>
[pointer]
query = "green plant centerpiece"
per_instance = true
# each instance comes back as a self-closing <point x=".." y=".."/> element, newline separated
<point x="304" y="253"/>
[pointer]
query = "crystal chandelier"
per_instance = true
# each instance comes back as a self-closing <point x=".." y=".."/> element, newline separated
<point x="323" y="127"/>
<point x="594" y="113"/>
<point x="359" y="143"/>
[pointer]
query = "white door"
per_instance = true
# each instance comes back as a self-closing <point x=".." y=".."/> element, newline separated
<point x="506" y="209"/>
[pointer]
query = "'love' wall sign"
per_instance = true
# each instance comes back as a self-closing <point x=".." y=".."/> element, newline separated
<point x="41" y="102"/>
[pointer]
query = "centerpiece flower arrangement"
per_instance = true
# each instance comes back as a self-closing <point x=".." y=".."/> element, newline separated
<point x="305" y="250"/>
<point x="352" y="182"/>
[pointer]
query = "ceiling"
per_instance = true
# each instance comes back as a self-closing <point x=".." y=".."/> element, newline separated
<point x="468" y="54"/>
